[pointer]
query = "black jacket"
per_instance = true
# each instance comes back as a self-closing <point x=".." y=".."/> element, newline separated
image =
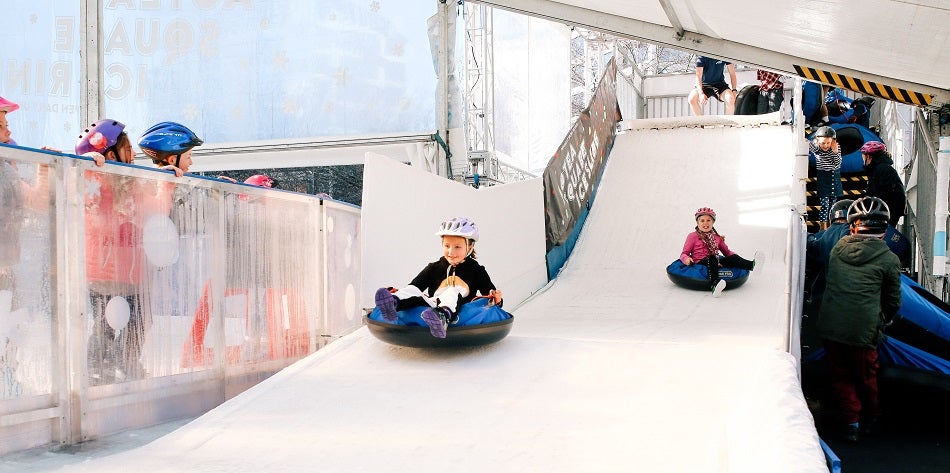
<point x="468" y="274"/>
<point x="884" y="183"/>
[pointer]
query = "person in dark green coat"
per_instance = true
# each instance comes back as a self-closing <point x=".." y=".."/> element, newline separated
<point x="862" y="295"/>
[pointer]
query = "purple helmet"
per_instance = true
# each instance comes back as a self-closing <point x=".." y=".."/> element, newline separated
<point x="100" y="136"/>
<point x="459" y="226"/>
<point x="873" y="147"/>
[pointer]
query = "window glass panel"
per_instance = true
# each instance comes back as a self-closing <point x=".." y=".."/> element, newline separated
<point x="40" y="71"/>
<point x="239" y="71"/>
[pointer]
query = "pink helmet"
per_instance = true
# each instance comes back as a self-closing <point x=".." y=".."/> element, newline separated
<point x="706" y="211"/>
<point x="261" y="180"/>
<point x="459" y="226"/>
<point x="7" y="106"/>
<point x="100" y="136"/>
<point x="872" y="147"/>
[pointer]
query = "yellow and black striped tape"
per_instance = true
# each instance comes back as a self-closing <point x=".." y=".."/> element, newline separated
<point x="861" y="178"/>
<point x="847" y="192"/>
<point x="865" y="87"/>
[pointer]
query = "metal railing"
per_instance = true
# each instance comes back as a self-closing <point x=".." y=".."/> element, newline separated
<point x="129" y="297"/>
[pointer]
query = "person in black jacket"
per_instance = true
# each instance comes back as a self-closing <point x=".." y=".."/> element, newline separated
<point x="883" y="180"/>
<point x="444" y="285"/>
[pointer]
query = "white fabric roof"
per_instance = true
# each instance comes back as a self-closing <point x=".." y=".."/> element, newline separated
<point x="900" y="43"/>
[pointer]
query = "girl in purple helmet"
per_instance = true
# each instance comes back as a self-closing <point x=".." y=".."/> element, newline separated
<point x="116" y="207"/>
<point x="444" y="285"/>
<point x="704" y="246"/>
<point x="105" y="140"/>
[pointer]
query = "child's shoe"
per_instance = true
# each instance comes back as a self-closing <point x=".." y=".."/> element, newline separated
<point x="718" y="288"/>
<point x="758" y="261"/>
<point x="386" y="303"/>
<point x="437" y="318"/>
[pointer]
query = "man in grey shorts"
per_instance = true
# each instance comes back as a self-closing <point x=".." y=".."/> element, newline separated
<point x="711" y="82"/>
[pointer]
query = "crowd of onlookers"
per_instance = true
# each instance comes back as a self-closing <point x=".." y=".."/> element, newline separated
<point x="116" y="210"/>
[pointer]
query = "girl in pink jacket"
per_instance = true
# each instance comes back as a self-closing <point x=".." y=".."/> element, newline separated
<point x="704" y="246"/>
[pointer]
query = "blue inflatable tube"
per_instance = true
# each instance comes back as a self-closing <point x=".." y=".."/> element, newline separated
<point x="851" y="137"/>
<point x="479" y="323"/>
<point x="696" y="276"/>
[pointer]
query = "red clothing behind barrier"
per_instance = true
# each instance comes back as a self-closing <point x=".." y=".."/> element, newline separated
<point x="116" y="209"/>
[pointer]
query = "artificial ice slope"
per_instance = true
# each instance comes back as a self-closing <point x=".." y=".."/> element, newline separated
<point x="610" y="368"/>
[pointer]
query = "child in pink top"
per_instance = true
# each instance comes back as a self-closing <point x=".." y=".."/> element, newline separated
<point x="116" y="209"/>
<point x="704" y="246"/>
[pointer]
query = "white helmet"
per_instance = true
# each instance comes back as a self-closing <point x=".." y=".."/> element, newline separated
<point x="459" y="226"/>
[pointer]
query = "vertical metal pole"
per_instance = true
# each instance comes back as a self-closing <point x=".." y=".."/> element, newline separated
<point x="90" y="17"/>
<point x="479" y="91"/>
<point x="941" y="191"/>
<point x="71" y="312"/>
<point x="801" y="150"/>
<point x="442" y="107"/>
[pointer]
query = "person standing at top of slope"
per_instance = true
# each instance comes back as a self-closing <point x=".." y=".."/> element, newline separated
<point x="883" y="180"/>
<point x="444" y="285"/>
<point x="824" y="145"/>
<point x="705" y="245"/>
<point x="711" y="82"/>
<point x="771" y="91"/>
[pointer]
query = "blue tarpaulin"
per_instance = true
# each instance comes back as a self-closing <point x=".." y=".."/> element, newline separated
<point x="917" y="309"/>
<point x="895" y="352"/>
<point x="926" y="316"/>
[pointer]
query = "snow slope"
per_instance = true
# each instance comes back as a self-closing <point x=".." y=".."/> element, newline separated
<point x="609" y="368"/>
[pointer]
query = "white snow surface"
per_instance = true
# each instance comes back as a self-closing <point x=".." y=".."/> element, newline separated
<point x="610" y="368"/>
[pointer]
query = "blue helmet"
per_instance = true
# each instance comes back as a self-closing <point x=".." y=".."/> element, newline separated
<point x="168" y="137"/>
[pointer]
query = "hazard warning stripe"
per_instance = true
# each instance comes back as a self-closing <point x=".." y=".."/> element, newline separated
<point x="861" y="178"/>
<point x="865" y="87"/>
<point x="844" y="192"/>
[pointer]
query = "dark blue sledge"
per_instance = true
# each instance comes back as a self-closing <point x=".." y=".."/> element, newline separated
<point x="479" y="323"/>
<point x="696" y="276"/>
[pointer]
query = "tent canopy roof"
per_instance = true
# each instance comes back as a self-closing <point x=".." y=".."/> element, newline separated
<point x="901" y="46"/>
